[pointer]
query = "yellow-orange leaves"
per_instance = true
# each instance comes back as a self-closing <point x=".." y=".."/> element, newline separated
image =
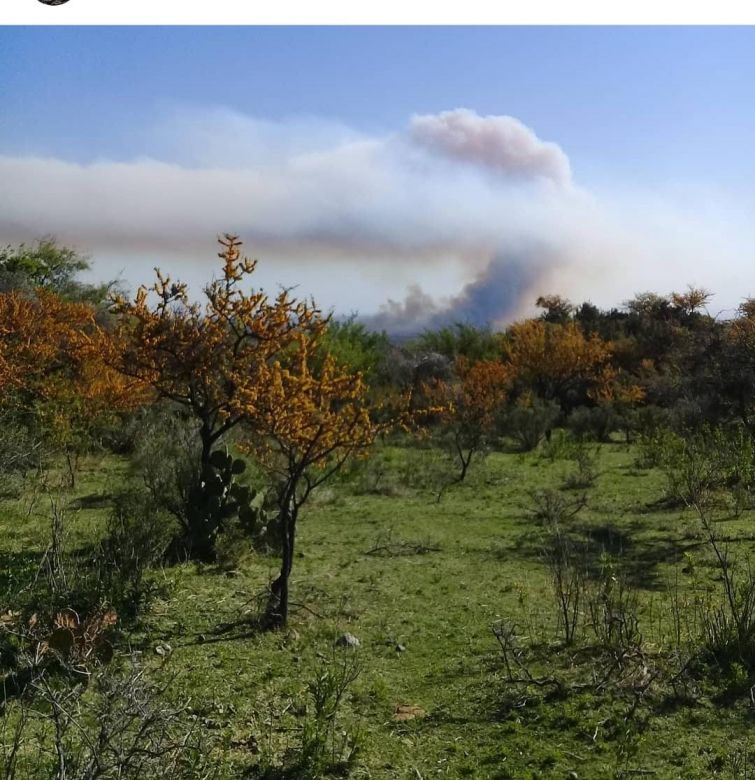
<point x="305" y="411"/>
<point x="208" y="356"/>
<point x="51" y="355"/>
<point x="551" y="358"/>
<point x="478" y="394"/>
<point x="468" y="406"/>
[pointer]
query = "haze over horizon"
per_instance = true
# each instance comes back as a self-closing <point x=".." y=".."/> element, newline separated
<point x="416" y="175"/>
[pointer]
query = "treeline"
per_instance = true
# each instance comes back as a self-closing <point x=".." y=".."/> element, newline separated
<point x="657" y="360"/>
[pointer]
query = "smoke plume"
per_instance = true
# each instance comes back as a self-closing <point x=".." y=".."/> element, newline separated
<point x="456" y="216"/>
<point x="501" y="144"/>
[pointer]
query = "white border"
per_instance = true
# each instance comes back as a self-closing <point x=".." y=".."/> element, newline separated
<point x="315" y="12"/>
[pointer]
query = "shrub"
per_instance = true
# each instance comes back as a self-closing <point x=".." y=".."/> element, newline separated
<point x="528" y="423"/>
<point x="166" y="457"/>
<point x="137" y="535"/>
<point x="612" y="606"/>
<point x="552" y="508"/>
<point x="728" y="627"/>
<point x="585" y="473"/>
<point x="113" y="725"/>
<point x="702" y="464"/>
<point x="20" y="450"/>
<point x="593" y="423"/>
<point x="325" y="748"/>
<point x="566" y="565"/>
<point x="204" y="500"/>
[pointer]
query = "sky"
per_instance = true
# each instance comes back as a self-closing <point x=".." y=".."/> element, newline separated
<point x="416" y="175"/>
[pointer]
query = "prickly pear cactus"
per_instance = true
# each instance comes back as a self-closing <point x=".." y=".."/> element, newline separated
<point x="218" y="499"/>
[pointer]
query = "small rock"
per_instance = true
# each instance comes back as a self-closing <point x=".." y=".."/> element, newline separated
<point x="347" y="640"/>
<point x="572" y="776"/>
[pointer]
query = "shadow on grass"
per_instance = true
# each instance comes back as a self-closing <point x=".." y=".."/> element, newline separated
<point x="638" y="554"/>
<point x="92" y="501"/>
<point x="18" y="569"/>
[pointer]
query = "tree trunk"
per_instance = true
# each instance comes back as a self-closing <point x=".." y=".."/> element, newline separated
<point x="276" y="613"/>
<point x="196" y="542"/>
<point x="72" y="464"/>
<point x="464" y="467"/>
<point x="207" y="441"/>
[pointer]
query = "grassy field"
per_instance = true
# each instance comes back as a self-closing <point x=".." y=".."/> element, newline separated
<point x="420" y="583"/>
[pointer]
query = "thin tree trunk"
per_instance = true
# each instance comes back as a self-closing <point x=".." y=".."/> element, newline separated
<point x="71" y="463"/>
<point x="207" y="442"/>
<point x="277" y="608"/>
<point x="198" y="542"/>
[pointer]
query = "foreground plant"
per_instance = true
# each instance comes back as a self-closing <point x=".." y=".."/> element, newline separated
<point x="307" y="416"/>
<point x="212" y="358"/>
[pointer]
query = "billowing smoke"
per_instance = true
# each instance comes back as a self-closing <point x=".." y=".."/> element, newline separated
<point x="501" y="144"/>
<point x="493" y="297"/>
<point x="455" y="217"/>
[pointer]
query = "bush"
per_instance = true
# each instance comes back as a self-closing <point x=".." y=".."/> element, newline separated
<point x="650" y="419"/>
<point x="137" y="536"/>
<point x="701" y="465"/>
<point x="553" y="509"/>
<point x="166" y="457"/>
<point x="728" y="627"/>
<point x="112" y="725"/>
<point x="325" y="748"/>
<point x="593" y="423"/>
<point x="566" y="562"/>
<point x="528" y="423"/>
<point x="20" y="450"/>
<point x="585" y="473"/>
<point x="206" y="501"/>
<point x="613" y="609"/>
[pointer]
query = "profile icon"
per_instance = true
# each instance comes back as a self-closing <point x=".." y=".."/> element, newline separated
<point x="53" y="2"/>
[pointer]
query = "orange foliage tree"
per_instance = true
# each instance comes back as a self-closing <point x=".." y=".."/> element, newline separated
<point x="305" y="416"/>
<point x="469" y="406"/>
<point x="558" y="361"/>
<point x="213" y="358"/>
<point x="202" y="356"/>
<point x="52" y="368"/>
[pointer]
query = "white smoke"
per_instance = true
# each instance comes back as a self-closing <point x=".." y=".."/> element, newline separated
<point x="473" y="215"/>
<point x="501" y="144"/>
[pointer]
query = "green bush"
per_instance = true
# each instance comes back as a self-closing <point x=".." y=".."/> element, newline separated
<point x="137" y="536"/>
<point x="593" y="423"/>
<point x="528" y="424"/>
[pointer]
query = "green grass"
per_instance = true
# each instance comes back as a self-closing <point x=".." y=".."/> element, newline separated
<point x="484" y="565"/>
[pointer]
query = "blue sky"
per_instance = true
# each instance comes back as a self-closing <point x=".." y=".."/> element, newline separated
<point x="641" y="113"/>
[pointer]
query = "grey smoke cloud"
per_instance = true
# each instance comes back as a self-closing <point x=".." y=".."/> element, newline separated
<point x="501" y="144"/>
<point x="455" y="217"/>
<point x="491" y="298"/>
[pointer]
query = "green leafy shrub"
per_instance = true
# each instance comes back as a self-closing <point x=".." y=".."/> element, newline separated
<point x="594" y="423"/>
<point x="137" y="536"/>
<point x="527" y="424"/>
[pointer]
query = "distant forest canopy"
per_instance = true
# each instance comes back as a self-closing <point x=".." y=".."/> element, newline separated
<point x="658" y="356"/>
